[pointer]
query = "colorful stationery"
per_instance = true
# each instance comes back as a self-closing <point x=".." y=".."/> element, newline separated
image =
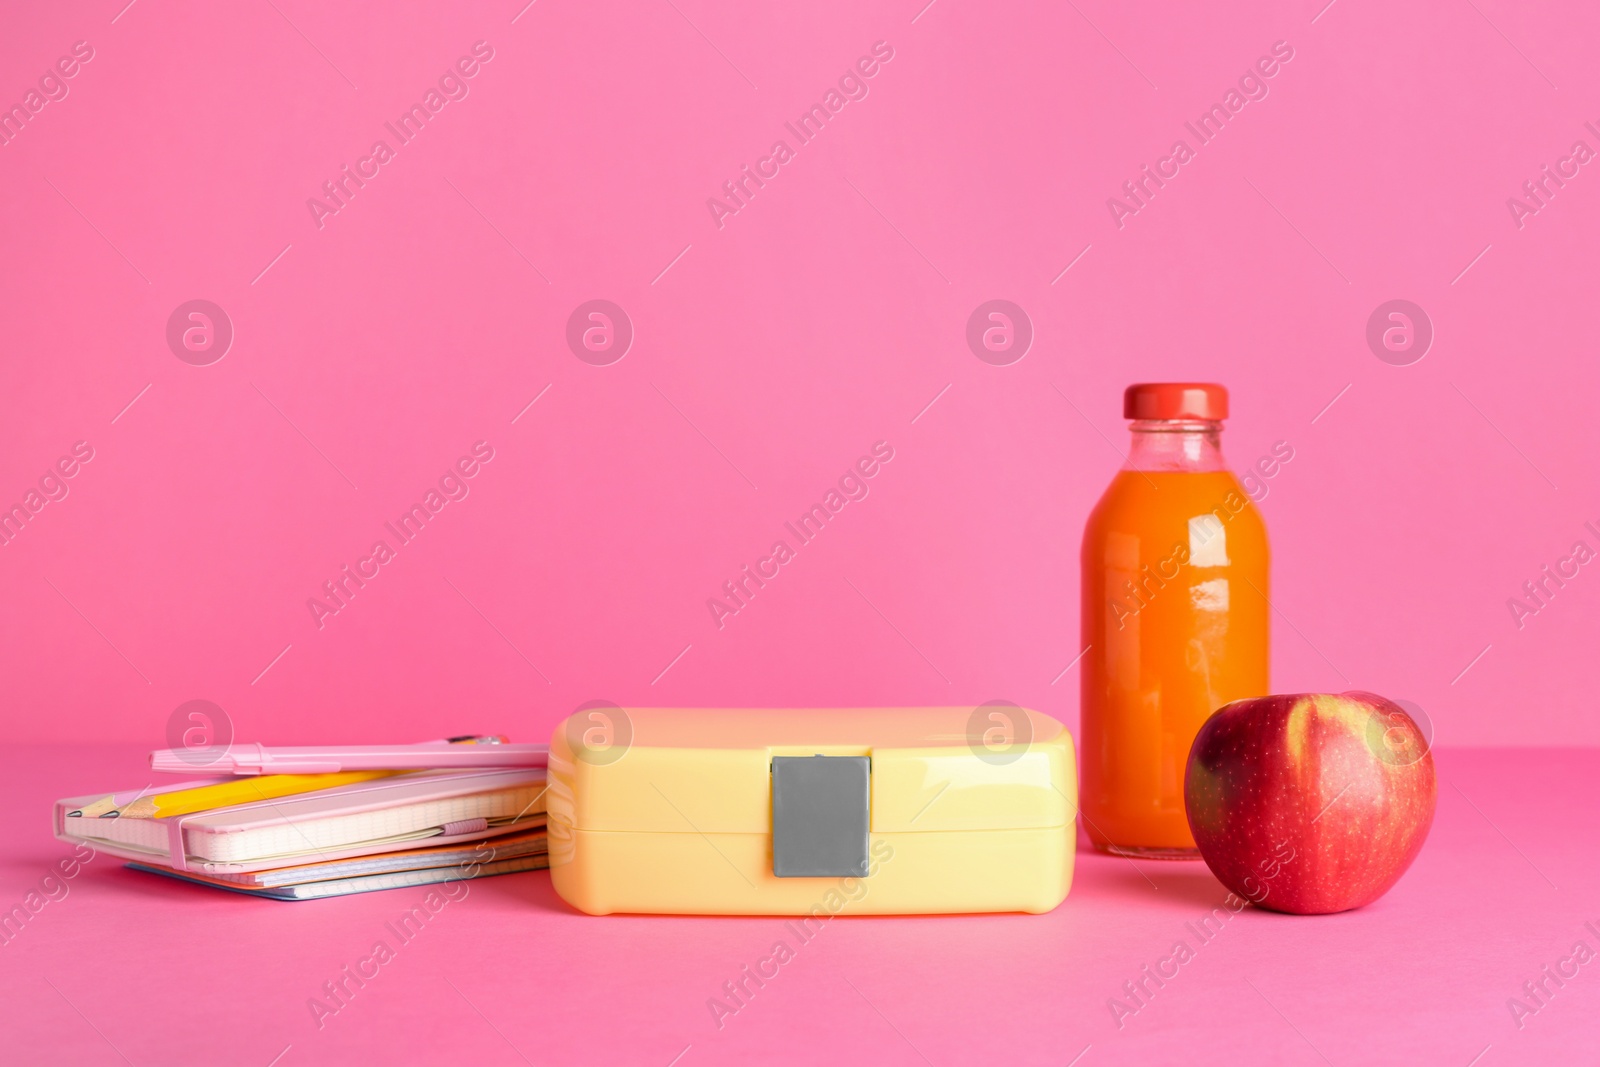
<point x="338" y="833"/>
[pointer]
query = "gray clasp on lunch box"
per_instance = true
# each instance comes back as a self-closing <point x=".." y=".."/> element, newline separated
<point x="820" y="808"/>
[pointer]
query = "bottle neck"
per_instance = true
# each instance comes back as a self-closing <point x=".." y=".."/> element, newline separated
<point x="1193" y="445"/>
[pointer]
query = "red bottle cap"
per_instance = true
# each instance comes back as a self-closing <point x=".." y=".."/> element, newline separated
<point x="1175" y="400"/>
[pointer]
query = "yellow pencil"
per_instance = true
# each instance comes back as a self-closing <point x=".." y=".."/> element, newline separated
<point x="226" y="794"/>
<point x="95" y="809"/>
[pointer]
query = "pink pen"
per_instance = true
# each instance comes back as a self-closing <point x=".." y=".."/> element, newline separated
<point x="454" y="754"/>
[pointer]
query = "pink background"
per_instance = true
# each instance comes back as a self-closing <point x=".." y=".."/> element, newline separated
<point x="769" y="354"/>
<point x="821" y="318"/>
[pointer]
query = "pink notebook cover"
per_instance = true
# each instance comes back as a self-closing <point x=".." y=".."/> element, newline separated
<point x="377" y="795"/>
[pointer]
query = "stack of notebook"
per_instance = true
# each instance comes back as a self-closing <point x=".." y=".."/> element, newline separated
<point x="305" y="836"/>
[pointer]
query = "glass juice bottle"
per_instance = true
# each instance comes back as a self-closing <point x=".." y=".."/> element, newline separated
<point x="1175" y="616"/>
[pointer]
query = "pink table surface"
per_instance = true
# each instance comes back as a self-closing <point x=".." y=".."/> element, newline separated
<point x="132" y="968"/>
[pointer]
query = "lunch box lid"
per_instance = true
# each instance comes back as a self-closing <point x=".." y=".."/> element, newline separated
<point x="709" y="771"/>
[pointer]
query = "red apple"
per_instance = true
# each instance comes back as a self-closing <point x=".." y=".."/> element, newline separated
<point x="1310" y="803"/>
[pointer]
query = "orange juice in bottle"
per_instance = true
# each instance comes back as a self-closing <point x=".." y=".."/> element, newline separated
<point x="1175" y="616"/>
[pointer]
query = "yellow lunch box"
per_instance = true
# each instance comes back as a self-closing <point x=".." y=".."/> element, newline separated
<point x="864" y="811"/>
